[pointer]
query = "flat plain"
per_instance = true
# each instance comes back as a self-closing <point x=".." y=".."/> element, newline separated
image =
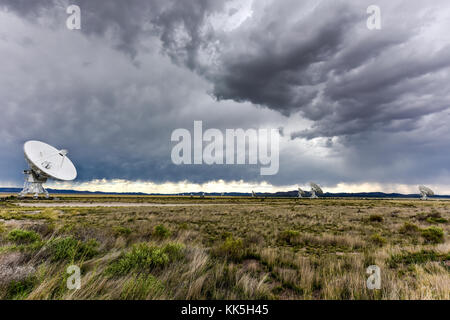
<point x="224" y="248"/>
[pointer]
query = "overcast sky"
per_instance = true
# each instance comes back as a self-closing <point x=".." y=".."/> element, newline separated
<point x="358" y="109"/>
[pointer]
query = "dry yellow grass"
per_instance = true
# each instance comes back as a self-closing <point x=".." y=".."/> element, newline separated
<point x="248" y="249"/>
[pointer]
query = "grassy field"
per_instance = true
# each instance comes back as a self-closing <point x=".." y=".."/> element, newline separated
<point x="245" y="249"/>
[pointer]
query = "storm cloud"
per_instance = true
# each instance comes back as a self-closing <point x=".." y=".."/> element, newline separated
<point x="354" y="104"/>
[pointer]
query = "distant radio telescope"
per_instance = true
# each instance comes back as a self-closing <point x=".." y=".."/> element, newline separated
<point x="425" y="192"/>
<point x="45" y="162"/>
<point x="254" y="194"/>
<point x="316" y="191"/>
<point x="301" y="193"/>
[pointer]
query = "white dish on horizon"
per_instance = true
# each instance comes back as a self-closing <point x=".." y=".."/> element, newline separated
<point x="49" y="161"/>
<point x="316" y="190"/>
<point x="45" y="162"/>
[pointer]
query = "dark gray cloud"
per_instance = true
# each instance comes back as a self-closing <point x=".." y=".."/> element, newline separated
<point x="113" y="92"/>
<point x="125" y="23"/>
<point x="335" y="71"/>
<point x="116" y="119"/>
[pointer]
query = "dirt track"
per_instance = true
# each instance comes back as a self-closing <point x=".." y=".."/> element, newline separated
<point x="111" y="204"/>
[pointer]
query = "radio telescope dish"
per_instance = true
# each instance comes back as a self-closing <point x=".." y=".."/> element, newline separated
<point x="425" y="192"/>
<point x="301" y="193"/>
<point x="45" y="162"/>
<point x="316" y="191"/>
<point x="254" y="194"/>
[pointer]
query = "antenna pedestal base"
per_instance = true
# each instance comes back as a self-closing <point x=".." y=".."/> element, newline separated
<point x="33" y="185"/>
<point x="313" y="195"/>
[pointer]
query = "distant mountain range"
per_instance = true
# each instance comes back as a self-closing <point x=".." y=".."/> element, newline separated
<point x="285" y="194"/>
<point x="59" y="191"/>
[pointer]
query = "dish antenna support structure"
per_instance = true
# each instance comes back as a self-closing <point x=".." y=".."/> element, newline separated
<point x="45" y="162"/>
<point x="316" y="191"/>
<point x="425" y="192"/>
<point x="301" y="193"/>
<point x="254" y="194"/>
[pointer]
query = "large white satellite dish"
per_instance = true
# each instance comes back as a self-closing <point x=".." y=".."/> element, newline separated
<point x="425" y="192"/>
<point x="45" y="162"/>
<point x="301" y="193"/>
<point x="315" y="190"/>
<point x="254" y="194"/>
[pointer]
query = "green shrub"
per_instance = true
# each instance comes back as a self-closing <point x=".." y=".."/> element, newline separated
<point x="174" y="250"/>
<point x="409" y="228"/>
<point x="49" y="214"/>
<point x="141" y="287"/>
<point x="70" y="249"/>
<point x="20" y="289"/>
<point x="407" y="259"/>
<point x="375" y="218"/>
<point x="434" y="214"/>
<point x="183" y="226"/>
<point x="421" y="216"/>
<point x="288" y="236"/>
<point x="436" y="220"/>
<point x="141" y="257"/>
<point x="231" y="248"/>
<point x="433" y="235"/>
<point x="377" y="239"/>
<point x="23" y="236"/>
<point x="144" y="257"/>
<point x="161" y="231"/>
<point x="225" y="234"/>
<point x="433" y="217"/>
<point x="2" y="227"/>
<point x="122" y="231"/>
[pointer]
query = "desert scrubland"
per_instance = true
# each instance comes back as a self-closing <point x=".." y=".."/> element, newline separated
<point x="231" y="248"/>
